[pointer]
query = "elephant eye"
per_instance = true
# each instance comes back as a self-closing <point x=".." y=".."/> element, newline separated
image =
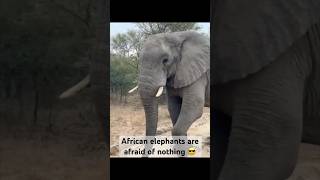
<point x="165" y="61"/>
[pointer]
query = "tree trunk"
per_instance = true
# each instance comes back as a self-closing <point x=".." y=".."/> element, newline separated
<point x="99" y="62"/>
<point x="98" y="73"/>
<point x="121" y="95"/>
<point x="36" y="99"/>
<point x="19" y="96"/>
<point x="8" y="88"/>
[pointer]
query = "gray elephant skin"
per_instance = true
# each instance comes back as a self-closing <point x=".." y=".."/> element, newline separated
<point x="266" y="86"/>
<point x="180" y="63"/>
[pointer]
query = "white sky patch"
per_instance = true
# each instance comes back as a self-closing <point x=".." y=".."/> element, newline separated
<point x="116" y="28"/>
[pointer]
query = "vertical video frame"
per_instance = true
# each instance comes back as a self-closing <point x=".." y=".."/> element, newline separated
<point x="160" y="90"/>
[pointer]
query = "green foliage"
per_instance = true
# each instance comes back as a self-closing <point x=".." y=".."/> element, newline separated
<point x="39" y="38"/>
<point x="148" y="29"/>
<point x="121" y="44"/>
<point x="44" y="44"/>
<point x="122" y="75"/>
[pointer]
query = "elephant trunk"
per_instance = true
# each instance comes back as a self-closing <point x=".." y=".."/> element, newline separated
<point x="150" y="89"/>
<point x="150" y="105"/>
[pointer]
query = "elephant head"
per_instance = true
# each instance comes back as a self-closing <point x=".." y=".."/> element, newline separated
<point x="169" y="59"/>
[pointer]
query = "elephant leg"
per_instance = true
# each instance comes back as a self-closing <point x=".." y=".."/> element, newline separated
<point x="174" y="107"/>
<point x="191" y="110"/>
<point x="191" y="107"/>
<point x="311" y="119"/>
<point x="221" y="131"/>
<point x="266" y="123"/>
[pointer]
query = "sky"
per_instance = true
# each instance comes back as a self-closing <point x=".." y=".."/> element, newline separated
<point x="116" y="28"/>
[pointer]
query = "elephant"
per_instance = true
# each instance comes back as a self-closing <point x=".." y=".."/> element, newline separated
<point x="180" y="63"/>
<point x="266" y="86"/>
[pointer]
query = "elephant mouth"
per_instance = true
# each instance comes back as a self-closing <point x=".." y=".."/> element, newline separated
<point x="157" y="94"/>
<point x="170" y="81"/>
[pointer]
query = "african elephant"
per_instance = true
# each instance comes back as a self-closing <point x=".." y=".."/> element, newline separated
<point x="180" y="62"/>
<point x="266" y="86"/>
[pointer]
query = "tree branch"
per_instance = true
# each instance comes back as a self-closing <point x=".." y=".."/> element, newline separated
<point x="77" y="16"/>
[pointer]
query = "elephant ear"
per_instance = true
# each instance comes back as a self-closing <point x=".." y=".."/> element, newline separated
<point x="249" y="36"/>
<point x="194" y="58"/>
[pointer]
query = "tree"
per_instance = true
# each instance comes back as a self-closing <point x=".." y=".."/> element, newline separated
<point x="148" y="29"/>
<point x="122" y="77"/>
<point x="46" y="44"/>
<point x="98" y="73"/>
<point x="120" y="45"/>
<point x="40" y="43"/>
<point x="135" y="40"/>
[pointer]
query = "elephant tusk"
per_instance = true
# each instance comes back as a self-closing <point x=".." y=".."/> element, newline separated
<point x="133" y="89"/>
<point x="160" y="90"/>
<point x="73" y="90"/>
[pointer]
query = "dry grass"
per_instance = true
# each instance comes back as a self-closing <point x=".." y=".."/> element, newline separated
<point x="70" y="151"/>
<point x="48" y="160"/>
<point x="308" y="166"/>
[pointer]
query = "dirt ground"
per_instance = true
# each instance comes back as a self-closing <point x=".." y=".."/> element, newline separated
<point x="45" y="158"/>
<point x="308" y="166"/>
<point x="129" y="119"/>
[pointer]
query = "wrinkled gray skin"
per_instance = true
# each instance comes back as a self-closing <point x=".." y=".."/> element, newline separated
<point x="266" y="85"/>
<point x="180" y="62"/>
<point x="259" y="119"/>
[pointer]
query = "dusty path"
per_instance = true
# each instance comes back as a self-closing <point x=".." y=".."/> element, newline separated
<point x="308" y="166"/>
<point x="30" y="159"/>
<point x="130" y="120"/>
